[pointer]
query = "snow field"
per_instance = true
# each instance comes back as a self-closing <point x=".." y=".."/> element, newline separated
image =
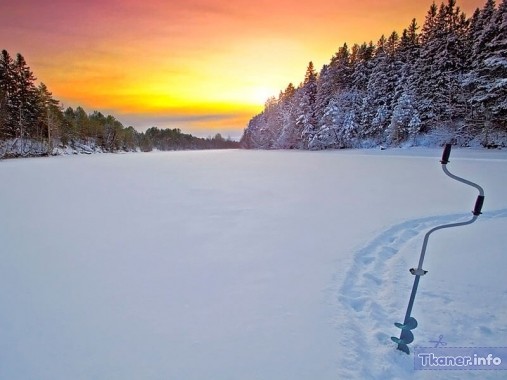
<point x="244" y="264"/>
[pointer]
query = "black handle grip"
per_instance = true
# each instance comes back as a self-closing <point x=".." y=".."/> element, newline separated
<point x="446" y="154"/>
<point x="478" y="205"/>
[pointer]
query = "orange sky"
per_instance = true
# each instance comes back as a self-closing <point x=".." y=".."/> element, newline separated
<point x="204" y="66"/>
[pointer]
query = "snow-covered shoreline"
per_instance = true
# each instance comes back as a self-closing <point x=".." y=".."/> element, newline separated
<point x="23" y="148"/>
<point x="26" y="148"/>
<point x="30" y="148"/>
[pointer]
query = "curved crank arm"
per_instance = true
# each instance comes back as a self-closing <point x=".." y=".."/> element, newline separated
<point x="480" y="198"/>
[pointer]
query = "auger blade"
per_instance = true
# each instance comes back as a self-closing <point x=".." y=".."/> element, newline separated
<point x="401" y="345"/>
<point x="409" y="325"/>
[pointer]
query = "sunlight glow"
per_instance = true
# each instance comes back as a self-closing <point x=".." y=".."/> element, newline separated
<point x="159" y="58"/>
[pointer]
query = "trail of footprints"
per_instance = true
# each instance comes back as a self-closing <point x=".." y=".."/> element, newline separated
<point x="369" y="266"/>
<point x="367" y="292"/>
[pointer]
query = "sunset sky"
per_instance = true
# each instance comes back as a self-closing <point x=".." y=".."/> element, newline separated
<point x="204" y="66"/>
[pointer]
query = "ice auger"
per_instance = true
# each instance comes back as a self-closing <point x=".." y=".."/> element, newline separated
<point x="410" y="323"/>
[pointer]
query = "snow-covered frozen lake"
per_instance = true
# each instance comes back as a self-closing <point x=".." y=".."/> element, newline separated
<point x="248" y="265"/>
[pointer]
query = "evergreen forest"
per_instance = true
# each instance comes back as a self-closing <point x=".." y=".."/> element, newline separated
<point x="444" y="82"/>
<point x="34" y="123"/>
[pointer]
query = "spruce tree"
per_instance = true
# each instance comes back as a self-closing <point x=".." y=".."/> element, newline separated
<point x="378" y="104"/>
<point x="25" y="98"/>
<point x="50" y="116"/>
<point x="306" y="120"/>
<point x="497" y="65"/>
<point x="425" y="71"/>
<point x="488" y="77"/>
<point x="8" y="111"/>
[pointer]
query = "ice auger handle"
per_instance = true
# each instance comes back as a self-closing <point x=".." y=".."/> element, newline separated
<point x="478" y="205"/>
<point x="446" y="154"/>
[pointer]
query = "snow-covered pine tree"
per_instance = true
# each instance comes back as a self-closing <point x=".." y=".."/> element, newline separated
<point x="441" y="66"/>
<point x="334" y="88"/>
<point x="380" y="95"/>
<point x="3" y="113"/>
<point x="468" y="81"/>
<point x="305" y="110"/>
<point x="408" y="53"/>
<point x="287" y="138"/>
<point x="338" y="124"/>
<point x="25" y="99"/>
<point x="454" y="63"/>
<point x="497" y="65"/>
<point x="50" y="116"/>
<point x="363" y="66"/>
<point x="325" y="92"/>
<point x="488" y="78"/>
<point x="405" y="120"/>
<point x="273" y="117"/>
<point x="424" y="75"/>
<point x="340" y="70"/>
<point x="326" y="136"/>
<point x="8" y="111"/>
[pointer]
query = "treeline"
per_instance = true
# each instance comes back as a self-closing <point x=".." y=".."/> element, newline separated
<point x="33" y="122"/>
<point x="447" y="81"/>
<point x="173" y="139"/>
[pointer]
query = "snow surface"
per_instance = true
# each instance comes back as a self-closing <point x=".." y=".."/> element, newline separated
<point x="264" y="265"/>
